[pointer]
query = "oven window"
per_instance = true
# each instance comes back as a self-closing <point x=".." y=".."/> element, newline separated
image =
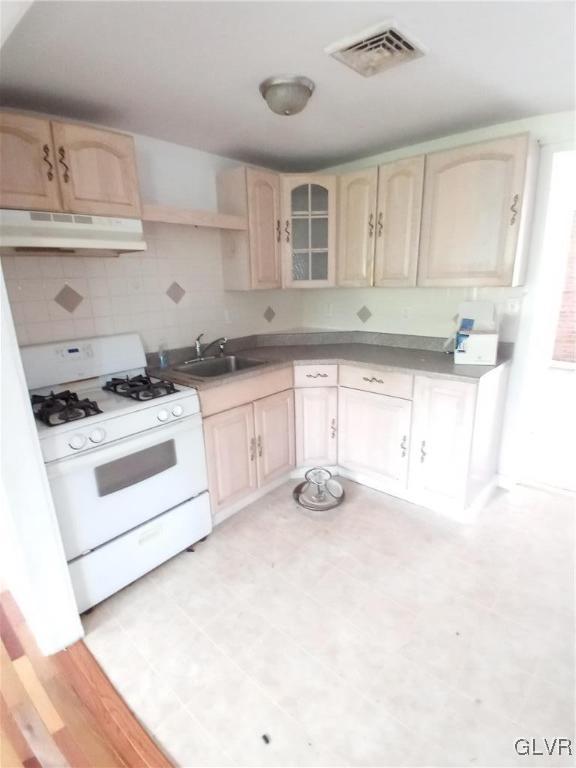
<point x="135" y="467"/>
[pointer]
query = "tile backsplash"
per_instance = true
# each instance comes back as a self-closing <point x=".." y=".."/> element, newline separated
<point x="169" y="294"/>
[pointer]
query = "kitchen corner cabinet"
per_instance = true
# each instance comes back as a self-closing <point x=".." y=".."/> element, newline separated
<point x="474" y="214"/>
<point x="374" y="431"/>
<point x="316" y="426"/>
<point x="28" y="177"/>
<point x="252" y="258"/>
<point x="54" y="166"/>
<point x="308" y="230"/>
<point x="356" y="227"/>
<point x="274" y="424"/>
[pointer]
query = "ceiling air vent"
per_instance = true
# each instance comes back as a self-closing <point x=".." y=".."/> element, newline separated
<point x="376" y="49"/>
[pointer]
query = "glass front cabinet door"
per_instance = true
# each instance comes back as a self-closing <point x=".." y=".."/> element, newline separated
<point x="308" y="230"/>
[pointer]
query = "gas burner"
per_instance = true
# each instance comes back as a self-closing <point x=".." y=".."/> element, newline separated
<point x="140" y="387"/>
<point x="55" y="409"/>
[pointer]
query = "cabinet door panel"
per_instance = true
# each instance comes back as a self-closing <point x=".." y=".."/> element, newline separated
<point x="308" y="230"/>
<point x="442" y="426"/>
<point x="356" y="227"/>
<point x="400" y="187"/>
<point x="264" y="228"/>
<point x="28" y="176"/>
<point x="471" y="213"/>
<point x="274" y="422"/>
<point x="373" y="434"/>
<point x="97" y="171"/>
<point x="230" y="456"/>
<point x="316" y="426"/>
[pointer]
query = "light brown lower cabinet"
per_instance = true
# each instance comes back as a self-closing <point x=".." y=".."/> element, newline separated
<point x="249" y="447"/>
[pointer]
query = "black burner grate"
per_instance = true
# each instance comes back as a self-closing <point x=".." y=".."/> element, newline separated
<point x="139" y="387"/>
<point x="60" y="408"/>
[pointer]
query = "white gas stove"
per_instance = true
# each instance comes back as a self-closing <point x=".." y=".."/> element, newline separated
<point x="124" y="456"/>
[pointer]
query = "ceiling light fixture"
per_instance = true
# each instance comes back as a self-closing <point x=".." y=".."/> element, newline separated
<point x="286" y="94"/>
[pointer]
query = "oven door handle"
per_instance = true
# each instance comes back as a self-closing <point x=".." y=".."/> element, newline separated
<point x="104" y="453"/>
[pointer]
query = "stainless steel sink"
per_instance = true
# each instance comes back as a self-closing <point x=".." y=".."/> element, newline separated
<point x="217" y="366"/>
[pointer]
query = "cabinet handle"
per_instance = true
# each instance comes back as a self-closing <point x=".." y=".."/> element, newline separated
<point x="372" y="380"/>
<point x="46" y="159"/>
<point x="380" y="223"/>
<point x="371" y="225"/>
<point x="260" y="445"/>
<point x="252" y="448"/>
<point x="333" y="428"/>
<point x="514" y="209"/>
<point x="423" y="453"/>
<point x="287" y="230"/>
<point x="62" y="161"/>
<point x="278" y="231"/>
<point x="403" y="445"/>
<point x="316" y="375"/>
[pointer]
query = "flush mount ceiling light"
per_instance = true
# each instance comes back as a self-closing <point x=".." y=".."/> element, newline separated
<point x="286" y="94"/>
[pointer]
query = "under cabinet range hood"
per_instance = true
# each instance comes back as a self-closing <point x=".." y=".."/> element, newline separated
<point x="37" y="232"/>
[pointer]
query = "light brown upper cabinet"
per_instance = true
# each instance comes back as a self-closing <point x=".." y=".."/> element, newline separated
<point x="474" y="214"/>
<point x="53" y="166"/>
<point x="398" y="222"/>
<point x="379" y="224"/>
<point x="28" y="176"/>
<point x="308" y="230"/>
<point x="251" y="259"/>
<point x="97" y="171"/>
<point x="356" y="227"/>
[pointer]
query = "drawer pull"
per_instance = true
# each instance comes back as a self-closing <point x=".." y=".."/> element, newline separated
<point x="514" y="209"/>
<point x="371" y="225"/>
<point x="372" y="380"/>
<point x="252" y="448"/>
<point x="278" y="231"/>
<point x="62" y="161"/>
<point x="46" y="159"/>
<point x="423" y="453"/>
<point x="316" y="375"/>
<point x="260" y="449"/>
<point x="404" y="446"/>
<point x="333" y="428"/>
<point x="380" y="223"/>
<point x="287" y="230"/>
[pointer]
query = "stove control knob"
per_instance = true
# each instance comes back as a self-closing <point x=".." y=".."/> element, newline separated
<point x="162" y="415"/>
<point x="77" y="441"/>
<point x="97" y="436"/>
<point x="177" y="410"/>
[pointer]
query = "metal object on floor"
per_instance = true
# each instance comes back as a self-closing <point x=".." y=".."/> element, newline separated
<point x="319" y="491"/>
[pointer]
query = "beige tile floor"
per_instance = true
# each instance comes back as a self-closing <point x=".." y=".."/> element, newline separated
<point x="377" y="634"/>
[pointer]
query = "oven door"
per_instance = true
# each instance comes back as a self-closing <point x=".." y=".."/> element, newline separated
<point x="106" y="492"/>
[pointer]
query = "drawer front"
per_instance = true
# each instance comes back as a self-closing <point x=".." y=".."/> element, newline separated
<point x="382" y="382"/>
<point x="242" y="391"/>
<point x="315" y="375"/>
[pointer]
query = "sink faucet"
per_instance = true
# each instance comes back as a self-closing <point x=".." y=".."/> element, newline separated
<point x="201" y="350"/>
<point x="198" y="345"/>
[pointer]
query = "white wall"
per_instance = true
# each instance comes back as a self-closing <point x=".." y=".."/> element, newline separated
<point x="428" y="311"/>
<point x="33" y="562"/>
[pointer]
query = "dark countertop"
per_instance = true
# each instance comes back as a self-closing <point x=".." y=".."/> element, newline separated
<point x="373" y="355"/>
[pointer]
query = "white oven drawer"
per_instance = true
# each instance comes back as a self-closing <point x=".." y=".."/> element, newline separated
<point x="114" y="565"/>
<point x="104" y="493"/>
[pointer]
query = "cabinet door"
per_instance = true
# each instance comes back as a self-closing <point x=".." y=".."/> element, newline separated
<point x="316" y="426"/>
<point x="28" y="177"/>
<point x="97" y="171"/>
<point x="471" y="213"/>
<point x="356" y="227"/>
<point x="263" y="190"/>
<point x="230" y="456"/>
<point x="274" y="421"/>
<point x="308" y="230"/>
<point x="373" y="434"/>
<point x="441" y="437"/>
<point x="398" y="222"/>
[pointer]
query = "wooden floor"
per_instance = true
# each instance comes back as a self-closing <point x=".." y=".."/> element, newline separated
<point x="62" y="710"/>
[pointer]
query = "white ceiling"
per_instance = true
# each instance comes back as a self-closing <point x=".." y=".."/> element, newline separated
<point x="188" y="72"/>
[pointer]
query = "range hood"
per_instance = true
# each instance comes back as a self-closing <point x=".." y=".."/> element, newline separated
<point x="68" y="233"/>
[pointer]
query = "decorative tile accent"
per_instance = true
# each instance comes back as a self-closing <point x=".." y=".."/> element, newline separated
<point x="175" y="292"/>
<point x="68" y="298"/>
<point x="364" y="314"/>
<point x="269" y="314"/>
